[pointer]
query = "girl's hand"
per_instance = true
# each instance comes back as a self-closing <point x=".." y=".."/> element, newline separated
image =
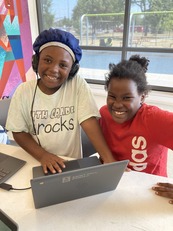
<point x="164" y="190"/>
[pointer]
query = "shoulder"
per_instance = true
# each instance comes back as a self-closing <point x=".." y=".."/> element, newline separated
<point x="105" y="117"/>
<point x="27" y="85"/>
<point x="104" y="108"/>
<point x="79" y="80"/>
<point x="104" y="112"/>
<point x="24" y="90"/>
<point x="152" y="109"/>
<point x="154" y="112"/>
<point x="78" y="83"/>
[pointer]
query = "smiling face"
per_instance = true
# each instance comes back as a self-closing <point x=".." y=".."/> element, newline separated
<point x="123" y="99"/>
<point x="54" y="67"/>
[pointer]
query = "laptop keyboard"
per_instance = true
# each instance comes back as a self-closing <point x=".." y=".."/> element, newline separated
<point x="3" y="174"/>
<point x="9" y="165"/>
<point x="2" y="157"/>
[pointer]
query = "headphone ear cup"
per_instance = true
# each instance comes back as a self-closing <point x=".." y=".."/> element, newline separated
<point x="74" y="70"/>
<point x="35" y="60"/>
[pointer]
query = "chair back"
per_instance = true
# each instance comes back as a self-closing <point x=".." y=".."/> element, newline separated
<point x="87" y="147"/>
<point x="4" y="106"/>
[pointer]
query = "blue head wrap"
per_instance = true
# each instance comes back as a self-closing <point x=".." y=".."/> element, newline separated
<point x="57" y="37"/>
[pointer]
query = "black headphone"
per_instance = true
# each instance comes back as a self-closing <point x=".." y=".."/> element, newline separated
<point x="35" y="60"/>
<point x="73" y="72"/>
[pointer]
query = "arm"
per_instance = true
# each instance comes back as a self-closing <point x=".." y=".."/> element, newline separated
<point x="94" y="133"/>
<point x="47" y="160"/>
<point x="164" y="190"/>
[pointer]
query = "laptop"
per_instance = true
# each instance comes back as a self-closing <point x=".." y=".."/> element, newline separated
<point x="77" y="183"/>
<point x="9" y="165"/>
<point x="6" y="223"/>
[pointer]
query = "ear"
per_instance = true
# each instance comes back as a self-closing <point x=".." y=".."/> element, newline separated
<point x="143" y="96"/>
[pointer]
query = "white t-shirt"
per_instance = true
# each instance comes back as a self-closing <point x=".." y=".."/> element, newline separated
<point x="56" y="118"/>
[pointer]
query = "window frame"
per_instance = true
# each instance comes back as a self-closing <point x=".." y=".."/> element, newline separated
<point x="124" y="49"/>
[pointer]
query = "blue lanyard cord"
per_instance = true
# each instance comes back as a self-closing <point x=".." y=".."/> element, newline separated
<point x="5" y="132"/>
<point x="2" y="131"/>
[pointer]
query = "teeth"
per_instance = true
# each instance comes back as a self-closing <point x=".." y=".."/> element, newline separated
<point x="119" y="113"/>
<point x="52" y="78"/>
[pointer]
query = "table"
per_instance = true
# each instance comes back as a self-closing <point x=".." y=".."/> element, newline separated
<point x="133" y="206"/>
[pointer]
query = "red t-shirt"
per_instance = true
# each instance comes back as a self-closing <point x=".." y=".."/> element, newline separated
<point x="144" y="141"/>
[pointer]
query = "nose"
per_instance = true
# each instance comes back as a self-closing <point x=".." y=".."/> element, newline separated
<point x="54" y="68"/>
<point x="117" y="103"/>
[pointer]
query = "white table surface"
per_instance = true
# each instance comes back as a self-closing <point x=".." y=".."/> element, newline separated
<point x="133" y="206"/>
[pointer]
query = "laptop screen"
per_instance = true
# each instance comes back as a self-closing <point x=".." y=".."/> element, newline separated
<point x="6" y="223"/>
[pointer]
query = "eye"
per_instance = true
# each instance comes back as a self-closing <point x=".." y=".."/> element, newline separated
<point x="64" y="65"/>
<point x="127" y="98"/>
<point x="47" y="60"/>
<point x="111" y="96"/>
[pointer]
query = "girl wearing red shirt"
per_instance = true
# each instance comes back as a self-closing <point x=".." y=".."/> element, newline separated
<point x="134" y="130"/>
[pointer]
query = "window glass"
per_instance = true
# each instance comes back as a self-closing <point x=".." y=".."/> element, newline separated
<point x="160" y="68"/>
<point x="95" y="64"/>
<point x="151" y="24"/>
<point x="93" y="21"/>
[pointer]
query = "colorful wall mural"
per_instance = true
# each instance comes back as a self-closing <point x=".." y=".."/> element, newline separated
<point x="15" y="46"/>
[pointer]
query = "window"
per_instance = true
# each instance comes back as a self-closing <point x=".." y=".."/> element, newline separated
<point x="113" y="30"/>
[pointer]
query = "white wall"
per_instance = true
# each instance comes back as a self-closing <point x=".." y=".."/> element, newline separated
<point x="33" y="19"/>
